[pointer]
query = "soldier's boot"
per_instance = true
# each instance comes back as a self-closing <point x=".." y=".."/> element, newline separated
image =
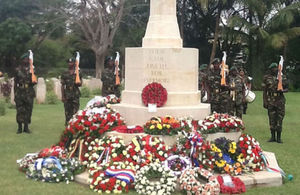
<point x="26" y="129"/>
<point x="279" y="137"/>
<point x="272" y="139"/>
<point x="19" y="128"/>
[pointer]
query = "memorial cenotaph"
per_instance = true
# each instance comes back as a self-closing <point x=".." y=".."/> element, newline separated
<point x="162" y="59"/>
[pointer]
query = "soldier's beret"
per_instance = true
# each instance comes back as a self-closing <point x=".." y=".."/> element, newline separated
<point x="25" y="55"/>
<point x="71" y="60"/>
<point x="273" y="65"/>
<point x="203" y="66"/>
<point x="216" y="61"/>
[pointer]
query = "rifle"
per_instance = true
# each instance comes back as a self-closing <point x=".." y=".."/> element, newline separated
<point x="279" y="75"/>
<point x="232" y="92"/>
<point x="33" y="77"/>
<point x="77" y="79"/>
<point x="117" y="60"/>
<point x="224" y="69"/>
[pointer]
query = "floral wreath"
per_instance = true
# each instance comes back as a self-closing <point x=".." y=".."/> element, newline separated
<point x="165" y="185"/>
<point x="177" y="164"/>
<point x="167" y="125"/>
<point x="251" y="150"/>
<point x="189" y="182"/>
<point x="227" y="156"/>
<point x="52" y="169"/>
<point x="113" y="179"/>
<point x="104" y="151"/>
<point x="154" y="93"/>
<point x="237" y="188"/>
<point x="129" y="129"/>
<point x="220" y="123"/>
<point x="143" y="150"/>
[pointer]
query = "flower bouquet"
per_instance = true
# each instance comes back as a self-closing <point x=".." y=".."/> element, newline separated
<point x="162" y="126"/>
<point x="86" y="123"/>
<point x="220" y="123"/>
<point x="99" y="101"/>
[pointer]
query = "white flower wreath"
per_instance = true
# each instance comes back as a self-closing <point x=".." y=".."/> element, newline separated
<point x="164" y="185"/>
<point x="189" y="182"/>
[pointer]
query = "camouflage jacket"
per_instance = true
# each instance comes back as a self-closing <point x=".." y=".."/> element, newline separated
<point x="108" y="77"/>
<point x="23" y="86"/>
<point x="70" y="88"/>
<point x="217" y="91"/>
<point x="237" y="88"/>
<point x="271" y="95"/>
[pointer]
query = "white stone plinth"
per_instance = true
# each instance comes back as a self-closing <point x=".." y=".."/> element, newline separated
<point x="255" y="179"/>
<point x="263" y="178"/>
<point x="139" y="115"/>
<point x="176" y="69"/>
<point x="234" y="136"/>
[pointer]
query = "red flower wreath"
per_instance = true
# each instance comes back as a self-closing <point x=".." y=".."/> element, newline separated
<point x="238" y="188"/>
<point x="154" y="93"/>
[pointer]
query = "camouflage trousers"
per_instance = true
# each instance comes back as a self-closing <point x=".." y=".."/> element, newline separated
<point x="237" y="105"/>
<point x="236" y="109"/>
<point x="276" y="115"/>
<point x="71" y="107"/>
<point x="24" y="109"/>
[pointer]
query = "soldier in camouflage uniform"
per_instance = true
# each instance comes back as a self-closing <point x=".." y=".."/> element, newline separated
<point x="203" y="81"/>
<point x="247" y="83"/>
<point x="219" y="95"/>
<point x="24" y="94"/>
<point x="108" y="79"/>
<point x="274" y="101"/>
<point x="237" y="93"/>
<point x="70" y="90"/>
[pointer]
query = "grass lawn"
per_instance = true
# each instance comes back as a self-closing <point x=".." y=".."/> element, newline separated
<point x="48" y="123"/>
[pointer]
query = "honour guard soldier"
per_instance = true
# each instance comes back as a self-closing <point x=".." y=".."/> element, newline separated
<point x="219" y="95"/>
<point x="24" y="81"/>
<point x="108" y="78"/>
<point x="70" y="89"/>
<point x="237" y="93"/>
<point x="203" y="82"/>
<point x="274" y="85"/>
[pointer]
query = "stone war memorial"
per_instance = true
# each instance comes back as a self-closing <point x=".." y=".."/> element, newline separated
<point x="170" y="144"/>
<point x="162" y="59"/>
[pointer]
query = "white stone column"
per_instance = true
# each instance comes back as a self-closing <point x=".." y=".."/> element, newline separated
<point x="162" y="28"/>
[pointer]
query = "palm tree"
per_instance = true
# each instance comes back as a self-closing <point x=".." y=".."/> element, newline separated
<point x="265" y="23"/>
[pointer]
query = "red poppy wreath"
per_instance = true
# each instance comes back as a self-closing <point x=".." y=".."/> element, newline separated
<point x="154" y="93"/>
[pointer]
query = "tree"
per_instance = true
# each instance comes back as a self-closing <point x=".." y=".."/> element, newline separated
<point x="15" y="34"/>
<point x="265" y="23"/>
<point x="98" y="22"/>
<point x="220" y="5"/>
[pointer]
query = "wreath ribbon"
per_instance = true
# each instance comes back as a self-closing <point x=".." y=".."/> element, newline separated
<point x="42" y="162"/>
<point x="270" y="169"/>
<point x="126" y="175"/>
